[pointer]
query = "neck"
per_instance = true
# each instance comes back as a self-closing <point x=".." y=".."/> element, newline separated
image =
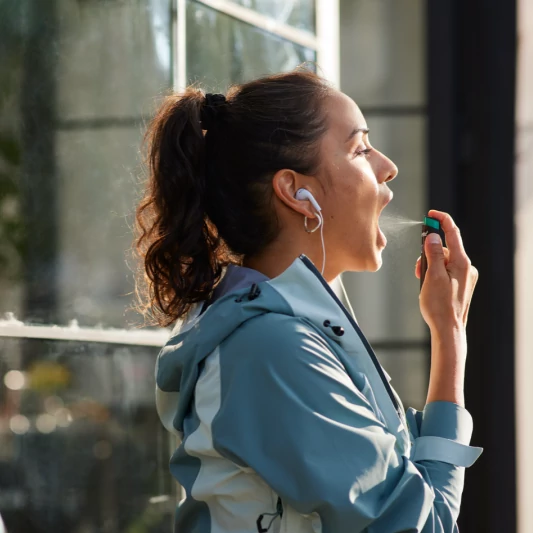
<point x="279" y="256"/>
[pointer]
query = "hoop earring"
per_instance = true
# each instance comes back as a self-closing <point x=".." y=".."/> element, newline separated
<point x="320" y="225"/>
<point x="314" y="229"/>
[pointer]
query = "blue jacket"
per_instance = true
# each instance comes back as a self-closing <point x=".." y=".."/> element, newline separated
<point x="288" y="423"/>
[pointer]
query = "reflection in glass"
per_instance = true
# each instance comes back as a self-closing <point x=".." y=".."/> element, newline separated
<point x="383" y="51"/>
<point x="297" y="13"/>
<point x="76" y="79"/>
<point x="81" y="446"/>
<point x="222" y="50"/>
<point x="409" y="370"/>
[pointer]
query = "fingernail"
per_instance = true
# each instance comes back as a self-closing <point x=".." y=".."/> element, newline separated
<point x="434" y="238"/>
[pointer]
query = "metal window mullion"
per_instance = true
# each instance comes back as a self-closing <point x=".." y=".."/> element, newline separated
<point x="252" y="17"/>
<point x="155" y="338"/>
<point x="327" y="27"/>
<point x="180" y="45"/>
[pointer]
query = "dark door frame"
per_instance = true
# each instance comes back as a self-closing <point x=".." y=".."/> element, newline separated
<point x="471" y="135"/>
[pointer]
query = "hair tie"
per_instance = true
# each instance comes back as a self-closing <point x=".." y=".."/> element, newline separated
<point x="210" y="109"/>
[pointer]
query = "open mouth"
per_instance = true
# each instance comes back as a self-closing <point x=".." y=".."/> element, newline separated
<point x="381" y="236"/>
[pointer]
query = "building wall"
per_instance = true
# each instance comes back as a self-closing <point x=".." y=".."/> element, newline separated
<point x="523" y="266"/>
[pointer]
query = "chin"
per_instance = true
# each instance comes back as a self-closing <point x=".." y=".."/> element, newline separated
<point x="375" y="263"/>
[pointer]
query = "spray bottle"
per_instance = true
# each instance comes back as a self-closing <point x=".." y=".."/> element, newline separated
<point x="430" y="225"/>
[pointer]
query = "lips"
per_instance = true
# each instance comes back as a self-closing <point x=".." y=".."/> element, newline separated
<point x="387" y="201"/>
<point x="380" y="232"/>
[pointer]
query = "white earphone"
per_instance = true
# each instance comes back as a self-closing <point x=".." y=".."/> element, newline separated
<point x="304" y="194"/>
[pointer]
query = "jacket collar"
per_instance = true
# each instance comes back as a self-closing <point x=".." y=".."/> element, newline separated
<point x="298" y="291"/>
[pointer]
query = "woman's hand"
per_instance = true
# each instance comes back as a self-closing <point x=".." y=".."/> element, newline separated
<point x="450" y="279"/>
<point x="418" y="266"/>
<point x="444" y="302"/>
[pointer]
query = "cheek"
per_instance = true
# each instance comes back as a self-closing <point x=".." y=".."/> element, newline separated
<point x="353" y="194"/>
<point x="359" y="193"/>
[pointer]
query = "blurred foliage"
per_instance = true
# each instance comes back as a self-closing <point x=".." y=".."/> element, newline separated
<point x="12" y="234"/>
<point x="12" y="226"/>
<point x="48" y="376"/>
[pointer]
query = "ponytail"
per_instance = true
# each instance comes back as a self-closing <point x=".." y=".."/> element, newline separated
<point x="177" y="242"/>
<point x="208" y="199"/>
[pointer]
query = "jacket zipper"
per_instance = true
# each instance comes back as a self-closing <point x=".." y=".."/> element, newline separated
<point x="309" y="264"/>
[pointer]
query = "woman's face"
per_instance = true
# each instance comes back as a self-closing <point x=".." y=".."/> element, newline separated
<point x="357" y="173"/>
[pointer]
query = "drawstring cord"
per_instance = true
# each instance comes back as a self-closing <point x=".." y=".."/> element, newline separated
<point x="279" y="512"/>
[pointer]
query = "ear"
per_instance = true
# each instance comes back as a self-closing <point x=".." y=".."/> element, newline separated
<point x="285" y="183"/>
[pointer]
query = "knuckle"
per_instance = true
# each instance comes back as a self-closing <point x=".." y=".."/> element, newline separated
<point x="450" y="220"/>
<point x="463" y="263"/>
<point x="456" y="229"/>
<point x="436" y="274"/>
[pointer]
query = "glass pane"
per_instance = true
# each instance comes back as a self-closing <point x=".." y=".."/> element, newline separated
<point x="93" y="273"/>
<point x="81" y="446"/>
<point x="383" y="51"/>
<point x="77" y="81"/>
<point x="297" y="13"/>
<point x="222" y="51"/>
<point x="409" y="370"/>
<point x="386" y="302"/>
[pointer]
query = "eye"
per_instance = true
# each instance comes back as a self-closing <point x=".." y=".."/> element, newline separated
<point x="362" y="152"/>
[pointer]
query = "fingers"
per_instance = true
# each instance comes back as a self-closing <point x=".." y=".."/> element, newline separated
<point x="418" y="272"/>
<point x="453" y="238"/>
<point x="474" y="276"/>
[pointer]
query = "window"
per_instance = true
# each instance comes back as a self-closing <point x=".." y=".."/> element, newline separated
<point x="81" y="448"/>
<point x="383" y="70"/>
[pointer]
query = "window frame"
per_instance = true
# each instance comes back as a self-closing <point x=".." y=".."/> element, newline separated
<point x="326" y="44"/>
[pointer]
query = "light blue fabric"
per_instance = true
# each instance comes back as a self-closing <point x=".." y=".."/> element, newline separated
<point x="305" y="411"/>
<point x="448" y="451"/>
<point x="442" y="433"/>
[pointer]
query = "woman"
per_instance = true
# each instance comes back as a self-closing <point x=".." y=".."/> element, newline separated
<point x="287" y="421"/>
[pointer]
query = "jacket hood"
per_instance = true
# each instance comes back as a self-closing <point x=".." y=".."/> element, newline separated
<point x="243" y="294"/>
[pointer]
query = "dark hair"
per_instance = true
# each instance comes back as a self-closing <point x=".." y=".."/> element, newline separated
<point x="208" y="198"/>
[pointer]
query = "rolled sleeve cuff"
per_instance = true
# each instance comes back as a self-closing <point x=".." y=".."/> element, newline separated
<point x="447" y="420"/>
<point x="445" y="432"/>
<point x="444" y="450"/>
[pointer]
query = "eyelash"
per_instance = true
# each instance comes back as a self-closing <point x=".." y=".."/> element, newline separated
<point x="359" y="152"/>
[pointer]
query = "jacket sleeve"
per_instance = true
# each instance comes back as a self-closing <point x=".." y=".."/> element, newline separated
<point x="289" y="411"/>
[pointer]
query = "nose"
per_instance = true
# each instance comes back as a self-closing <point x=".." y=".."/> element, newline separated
<point x="388" y="170"/>
<point x="393" y="172"/>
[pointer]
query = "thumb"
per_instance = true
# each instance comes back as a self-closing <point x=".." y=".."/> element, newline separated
<point x="435" y="253"/>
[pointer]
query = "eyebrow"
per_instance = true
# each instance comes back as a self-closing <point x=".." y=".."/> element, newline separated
<point x="355" y="131"/>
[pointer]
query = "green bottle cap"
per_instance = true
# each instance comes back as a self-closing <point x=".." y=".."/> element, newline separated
<point x="432" y="222"/>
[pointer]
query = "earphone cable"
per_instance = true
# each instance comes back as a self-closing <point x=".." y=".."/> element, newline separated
<point x="323" y="245"/>
<point x="324" y="265"/>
